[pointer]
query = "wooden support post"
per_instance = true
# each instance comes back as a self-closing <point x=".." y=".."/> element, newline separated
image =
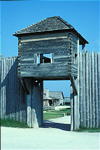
<point x="71" y="100"/>
<point x="76" y="97"/>
<point x="73" y="82"/>
<point x="29" y="114"/>
<point x="29" y="103"/>
<point x="37" y="104"/>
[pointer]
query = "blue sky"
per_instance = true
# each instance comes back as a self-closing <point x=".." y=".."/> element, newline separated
<point x="16" y="15"/>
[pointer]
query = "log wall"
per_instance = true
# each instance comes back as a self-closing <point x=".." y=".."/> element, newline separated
<point x="61" y="46"/>
<point x="12" y="95"/>
<point x="89" y="90"/>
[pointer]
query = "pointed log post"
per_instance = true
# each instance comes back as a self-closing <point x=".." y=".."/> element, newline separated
<point x="76" y="97"/>
<point x="90" y="102"/>
<point x="96" y="91"/>
<point x="80" y="89"/>
<point x="87" y="92"/>
<point x="92" y="90"/>
<point x="83" y="91"/>
<point x="99" y="88"/>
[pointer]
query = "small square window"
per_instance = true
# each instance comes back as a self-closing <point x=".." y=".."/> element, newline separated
<point x="44" y="58"/>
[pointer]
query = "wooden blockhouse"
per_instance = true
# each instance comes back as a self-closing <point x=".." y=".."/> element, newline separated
<point x="47" y="50"/>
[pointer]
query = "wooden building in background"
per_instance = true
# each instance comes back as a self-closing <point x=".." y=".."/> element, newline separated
<point x="52" y="98"/>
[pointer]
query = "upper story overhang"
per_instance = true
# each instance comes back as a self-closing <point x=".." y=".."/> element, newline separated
<point x="50" y="25"/>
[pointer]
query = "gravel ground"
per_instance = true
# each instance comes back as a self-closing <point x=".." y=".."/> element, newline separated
<point x="54" y="135"/>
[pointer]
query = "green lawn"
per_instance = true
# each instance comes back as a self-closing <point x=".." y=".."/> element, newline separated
<point x="50" y="114"/>
<point x="12" y="123"/>
<point x="88" y="130"/>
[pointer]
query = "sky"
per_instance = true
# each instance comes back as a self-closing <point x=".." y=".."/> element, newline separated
<point x="16" y="15"/>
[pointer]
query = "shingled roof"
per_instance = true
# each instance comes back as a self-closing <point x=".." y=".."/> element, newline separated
<point x="56" y="95"/>
<point x="55" y="23"/>
<point x="48" y="24"/>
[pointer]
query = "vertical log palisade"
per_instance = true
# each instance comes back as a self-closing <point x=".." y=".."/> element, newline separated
<point x="49" y="50"/>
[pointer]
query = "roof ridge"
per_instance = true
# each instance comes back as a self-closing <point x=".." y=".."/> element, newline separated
<point x="55" y="91"/>
<point x="65" y="22"/>
<point x="57" y="17"/>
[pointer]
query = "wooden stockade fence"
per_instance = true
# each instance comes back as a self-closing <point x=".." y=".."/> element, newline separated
<point x="89" y="91"/>
<point x="12" y="95"/>
<point x="13" y="101"/>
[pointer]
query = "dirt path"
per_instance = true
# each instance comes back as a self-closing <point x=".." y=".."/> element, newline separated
<point x="49" y="137"/>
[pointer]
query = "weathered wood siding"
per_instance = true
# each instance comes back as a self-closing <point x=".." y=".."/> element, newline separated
<point x="89" y="89"/>
<point x="62" y="45"/>
<point x="12" y="95"/>
<point x="85" y="112"/>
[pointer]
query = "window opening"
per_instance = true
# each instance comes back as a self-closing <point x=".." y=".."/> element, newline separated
<point x="44" y="58"/>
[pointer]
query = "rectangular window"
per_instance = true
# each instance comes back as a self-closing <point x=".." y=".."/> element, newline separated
<point x="44" y="58"/>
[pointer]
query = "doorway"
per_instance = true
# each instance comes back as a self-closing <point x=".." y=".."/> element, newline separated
<point x="57" y="114"/>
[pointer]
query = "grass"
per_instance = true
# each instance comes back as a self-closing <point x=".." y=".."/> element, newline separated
<point x="12" y="123"/>
<point x="88" y="130"/>
<point x="51" y="114"/>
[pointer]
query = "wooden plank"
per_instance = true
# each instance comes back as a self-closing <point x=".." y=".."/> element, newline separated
<point x="77" y="82"/>
<point x="80" y="89"/>
<point x="99" y="87"/>
<point x="84" y="100"/>
<point x="26" y="58"/>
<point x="96" y="91"/>
<point x="50" y="44"/>
<point x="92" y="90"/>
<point x="87" y="92"/>
<point x="46" y="35"/>
<point x="90" y="102"/>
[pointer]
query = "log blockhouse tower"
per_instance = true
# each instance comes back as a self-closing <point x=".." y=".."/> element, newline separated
<point x="47" y="50"/>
